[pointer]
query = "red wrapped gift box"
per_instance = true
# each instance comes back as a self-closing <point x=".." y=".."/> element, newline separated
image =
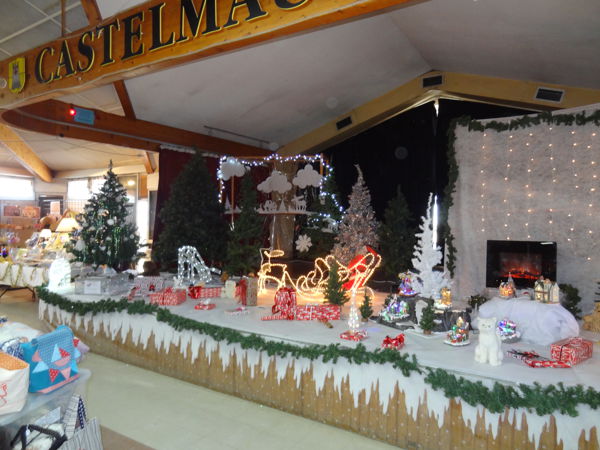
<point x="396" y="343"/>
<point x="168" y="297"/>
<point x="285" y="305"/>
<point x="572" y="350"/>
<point x="318" y="312"/>
<point x="197" y="292"/>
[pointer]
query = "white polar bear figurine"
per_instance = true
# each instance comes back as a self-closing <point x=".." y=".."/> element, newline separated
<point x="489" y="348"/>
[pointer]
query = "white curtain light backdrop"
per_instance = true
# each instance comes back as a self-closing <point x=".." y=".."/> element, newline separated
<point x="539" y="183"/>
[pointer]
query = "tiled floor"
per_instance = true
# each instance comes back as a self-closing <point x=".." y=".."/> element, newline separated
<point x="165" y="413"/>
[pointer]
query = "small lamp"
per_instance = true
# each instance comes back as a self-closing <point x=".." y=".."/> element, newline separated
<point x="67" y="225"/>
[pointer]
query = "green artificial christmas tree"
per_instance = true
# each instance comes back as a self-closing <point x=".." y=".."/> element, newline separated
<point x="359" y="226"/>
<point x="106" y="238"/>
<point x="322" y="226"/>
<point x="396" y="236"/>
<point x="335" y="293"/>
<point x="427" y="319"/>
<point x="366" y="309"/>
<point x="192" y="216"/>
<point x="572" y="299"/>
<point x="245" y="238"/>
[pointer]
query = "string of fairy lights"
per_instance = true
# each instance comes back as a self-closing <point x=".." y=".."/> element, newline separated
<point x="276" y="158"/>
<point x="549" y="185"/>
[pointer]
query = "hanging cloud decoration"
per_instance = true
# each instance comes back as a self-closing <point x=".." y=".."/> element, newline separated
<point x="307" y="176"/>
<point x="276" y="182"/>
<point x="231" y="168"/>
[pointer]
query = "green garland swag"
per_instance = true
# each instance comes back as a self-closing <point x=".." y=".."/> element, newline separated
<point x="541" y="399"/>
<point x="581" y="118"/>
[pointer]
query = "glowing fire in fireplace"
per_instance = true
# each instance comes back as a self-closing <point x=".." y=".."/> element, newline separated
<point x="521" y="266"/>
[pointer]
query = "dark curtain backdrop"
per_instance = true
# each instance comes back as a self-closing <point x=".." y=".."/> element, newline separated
<point x="170" y="165"/>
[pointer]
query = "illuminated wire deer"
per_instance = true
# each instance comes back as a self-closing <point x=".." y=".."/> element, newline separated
<point x="312" y="285"/>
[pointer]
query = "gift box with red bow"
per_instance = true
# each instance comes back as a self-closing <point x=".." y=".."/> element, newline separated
<point x="318" y="312"/>
<point x="395" y="343"/>
<point x="168" y="297"/>
<point x="197" y="292"/>
<point x="246" y="291"/>
<point x="285" y="305"/>
<point x="572" y="350"/>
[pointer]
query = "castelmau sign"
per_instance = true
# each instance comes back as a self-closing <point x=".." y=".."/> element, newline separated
<point x="160" y="34"/>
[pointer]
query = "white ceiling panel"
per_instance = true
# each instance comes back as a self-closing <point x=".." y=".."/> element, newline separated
<point x="280" y="90"/>
<point x="72" y="154"/>
<point x="111" y="7"/>
<point x="540" y="40"/>
<point x="7" y="159"/>
<point x="103" y="98"/>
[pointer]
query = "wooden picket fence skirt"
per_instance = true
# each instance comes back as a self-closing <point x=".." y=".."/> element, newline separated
<point x="332" y="406"/>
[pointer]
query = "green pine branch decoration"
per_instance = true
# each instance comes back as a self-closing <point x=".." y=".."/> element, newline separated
<point x="541" y="399"/>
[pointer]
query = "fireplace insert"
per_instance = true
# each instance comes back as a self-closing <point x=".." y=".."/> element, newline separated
<point x="525" y="261"/>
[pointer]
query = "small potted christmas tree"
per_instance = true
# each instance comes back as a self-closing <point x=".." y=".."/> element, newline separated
<point x="426" y="323"/>
<point x="366" y="309"/>
<point x="335" y="294"/>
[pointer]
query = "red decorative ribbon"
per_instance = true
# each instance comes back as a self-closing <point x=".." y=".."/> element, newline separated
<point x="241" y="291"/>
<point x="532" y="359"/>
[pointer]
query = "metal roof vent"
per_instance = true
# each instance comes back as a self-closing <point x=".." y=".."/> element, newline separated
<point x="345" y="122"/>
<point x="434" y="80"/>
<point x="549" y="95"/>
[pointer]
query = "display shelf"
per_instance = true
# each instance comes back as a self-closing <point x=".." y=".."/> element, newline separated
<point x="336" y="391"/>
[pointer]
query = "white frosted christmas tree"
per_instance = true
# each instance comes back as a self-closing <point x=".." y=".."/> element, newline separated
<point x="428" y="282"/>
<point x="358" y="226"/>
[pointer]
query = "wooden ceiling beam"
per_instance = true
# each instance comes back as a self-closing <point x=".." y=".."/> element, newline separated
<point x="159" y="34"/>
<point x="456" y="86"/>
<point x="18" y="171"/>
<point x="27" y="157"/>
<point x="124" y="99"/>
<point x="52" y="117"/>
<point x="148" y="164"/>
<point x="92" y="12"/>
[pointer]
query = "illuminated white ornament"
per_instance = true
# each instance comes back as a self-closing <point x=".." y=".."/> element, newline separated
<point x="110" y="222"/>
<point x="80" y="245"/>
<point x="303" y="243"/>
<point x="191" y="267"/>
<point x="59" y="274"/>
<point x="353" y="321"/>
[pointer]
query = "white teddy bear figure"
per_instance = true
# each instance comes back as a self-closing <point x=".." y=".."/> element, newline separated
<point x="489" y="348"/>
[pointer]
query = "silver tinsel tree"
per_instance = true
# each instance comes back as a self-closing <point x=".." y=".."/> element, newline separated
<point x="359" y="226"/>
